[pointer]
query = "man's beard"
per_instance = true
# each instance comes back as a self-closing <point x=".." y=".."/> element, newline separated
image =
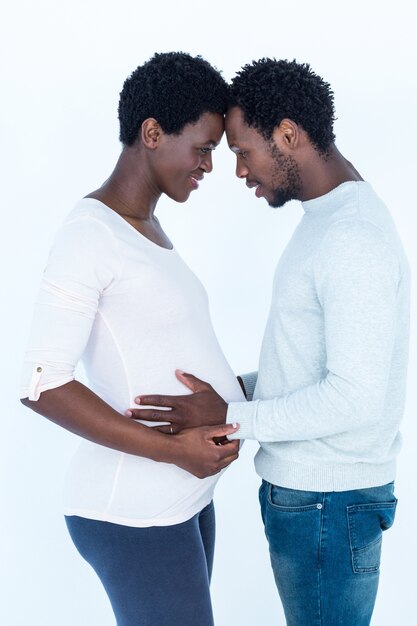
<point x="286" y="168"/>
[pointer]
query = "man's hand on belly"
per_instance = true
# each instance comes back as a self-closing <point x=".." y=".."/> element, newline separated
<point x="204" y="407"/>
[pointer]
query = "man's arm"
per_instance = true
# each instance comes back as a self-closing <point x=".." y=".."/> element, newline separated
<point x="357" y="277"/>
<point x="204" y="407"/>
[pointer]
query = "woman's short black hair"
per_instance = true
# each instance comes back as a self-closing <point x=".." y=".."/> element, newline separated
<point x="175" y="89"/>
<point x="268" y="91"/>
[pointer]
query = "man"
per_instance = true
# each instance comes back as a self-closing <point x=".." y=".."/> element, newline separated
<point x="329" y="395"/>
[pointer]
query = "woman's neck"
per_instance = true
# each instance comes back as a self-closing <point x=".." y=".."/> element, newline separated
<point x="130" y="189"/>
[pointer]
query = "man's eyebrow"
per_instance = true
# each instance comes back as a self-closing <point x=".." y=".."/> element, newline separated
<point x="211" y="143"/>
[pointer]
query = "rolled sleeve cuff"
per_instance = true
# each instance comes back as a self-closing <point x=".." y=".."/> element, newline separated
<point x="38" y="378"/>
<point x="242" y="413"/>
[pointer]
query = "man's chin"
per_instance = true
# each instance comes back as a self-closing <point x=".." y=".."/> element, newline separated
<point x="278" y="204"/>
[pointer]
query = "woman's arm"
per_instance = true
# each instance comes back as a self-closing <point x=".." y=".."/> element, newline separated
<point x="76" y="408"/>
<point x="83" y="264"/>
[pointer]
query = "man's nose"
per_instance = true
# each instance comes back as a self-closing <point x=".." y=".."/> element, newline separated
<point x="241" y="169"/>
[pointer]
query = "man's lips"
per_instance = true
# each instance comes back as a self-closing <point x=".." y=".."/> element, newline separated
<point x="251" y="184"/>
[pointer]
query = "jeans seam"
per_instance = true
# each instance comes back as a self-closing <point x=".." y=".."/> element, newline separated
<point x="372" y="506"/>
<point x="354" y="551"/>
<point x="320" y="557"/>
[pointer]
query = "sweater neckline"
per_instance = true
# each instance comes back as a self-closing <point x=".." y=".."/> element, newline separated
<point x="333" y="196"/>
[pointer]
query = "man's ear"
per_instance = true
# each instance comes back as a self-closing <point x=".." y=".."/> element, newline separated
<point x="151" y="133"/>
<point x="287" y="134"/>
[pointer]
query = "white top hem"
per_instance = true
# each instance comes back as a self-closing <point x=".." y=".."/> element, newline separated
<point x="103" y="516"/>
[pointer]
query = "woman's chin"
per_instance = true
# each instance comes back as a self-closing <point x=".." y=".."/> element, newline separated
<point x="180" y="196"/>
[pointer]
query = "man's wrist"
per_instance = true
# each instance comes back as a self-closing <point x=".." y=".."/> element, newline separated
<point x="249" y="381"/>
<point x="242" y="385"/>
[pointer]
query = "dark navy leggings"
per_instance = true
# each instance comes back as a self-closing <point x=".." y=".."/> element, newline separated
<point x="157" y="576"/>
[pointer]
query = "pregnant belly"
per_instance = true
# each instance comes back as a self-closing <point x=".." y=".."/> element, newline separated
<point x="107" y="484"/>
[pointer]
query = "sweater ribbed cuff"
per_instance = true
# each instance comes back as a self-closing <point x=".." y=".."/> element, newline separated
<point x="242" y="413"/>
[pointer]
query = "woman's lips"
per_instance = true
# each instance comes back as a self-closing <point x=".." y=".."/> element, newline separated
<point x="194" y="182"/>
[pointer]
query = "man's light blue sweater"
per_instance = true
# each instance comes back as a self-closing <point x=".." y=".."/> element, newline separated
<point x="330" y="389"/>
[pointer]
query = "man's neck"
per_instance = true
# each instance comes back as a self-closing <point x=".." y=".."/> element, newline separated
<point x="320" y="174"/>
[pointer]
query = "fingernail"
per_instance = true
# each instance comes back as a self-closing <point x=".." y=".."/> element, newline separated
<point x="137" y="400"/>
<point x="235" y="425"/>
<point x="128" y="413"/>
<point x="180" y="372"/>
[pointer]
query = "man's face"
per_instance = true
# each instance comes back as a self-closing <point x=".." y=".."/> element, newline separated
<point x="274" y="174"/>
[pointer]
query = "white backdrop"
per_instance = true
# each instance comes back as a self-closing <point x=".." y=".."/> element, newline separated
<point x="63" y="65"/>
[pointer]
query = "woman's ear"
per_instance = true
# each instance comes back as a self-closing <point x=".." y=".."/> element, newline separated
<point x="151" y="133"/>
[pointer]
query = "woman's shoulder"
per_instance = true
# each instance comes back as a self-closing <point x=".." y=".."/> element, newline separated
<point x="89" y="219"/>
<point x="88" y="229"/>
<point x="90" y="209"/>
<point x="86" y="244"/>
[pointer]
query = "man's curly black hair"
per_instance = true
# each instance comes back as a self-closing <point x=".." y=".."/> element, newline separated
<point x="268" y="91"/>
<point x="175" y="89"/>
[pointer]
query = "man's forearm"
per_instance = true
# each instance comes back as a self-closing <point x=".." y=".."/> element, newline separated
<point x="329" y="407"/>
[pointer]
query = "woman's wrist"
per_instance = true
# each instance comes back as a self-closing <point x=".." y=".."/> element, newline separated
<point x="167" y="448"/>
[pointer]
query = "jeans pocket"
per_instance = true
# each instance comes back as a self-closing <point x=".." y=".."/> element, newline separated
<point x="366" y="523"/>
<point x="293" y="500"/>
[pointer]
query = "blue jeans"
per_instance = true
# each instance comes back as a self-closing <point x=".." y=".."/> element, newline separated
<point x="325" y="551"/>
<point x="157" y="576"/>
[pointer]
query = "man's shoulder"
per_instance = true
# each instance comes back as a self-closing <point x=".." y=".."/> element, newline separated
<point x="357" y="240"/>
<point x="353" y="226"/>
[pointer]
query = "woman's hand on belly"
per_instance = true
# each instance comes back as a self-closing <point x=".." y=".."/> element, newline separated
<point x="196" y="451"/>
<point x="204" y="407"/>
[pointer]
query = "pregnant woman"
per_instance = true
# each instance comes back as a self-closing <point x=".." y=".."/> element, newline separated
<point x="117" y="295"/>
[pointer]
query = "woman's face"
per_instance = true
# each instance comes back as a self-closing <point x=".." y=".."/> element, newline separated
<point x="182" y="160"/>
